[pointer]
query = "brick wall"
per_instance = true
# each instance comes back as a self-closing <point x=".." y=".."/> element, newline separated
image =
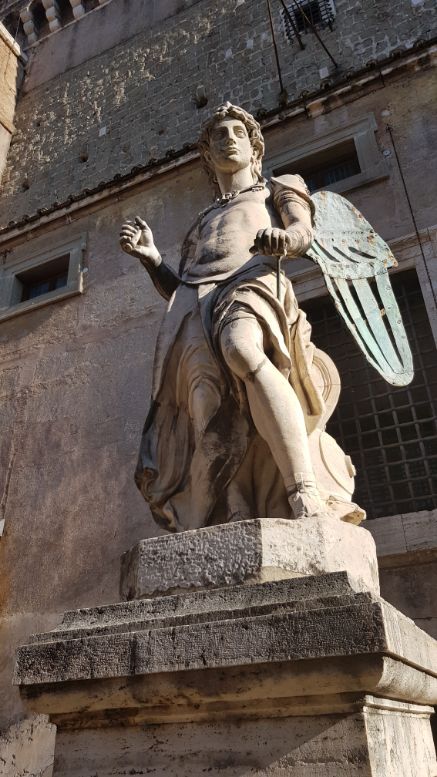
<point x="134" y="102"/>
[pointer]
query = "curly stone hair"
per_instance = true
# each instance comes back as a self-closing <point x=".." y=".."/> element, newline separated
<point x="253" y="130"/>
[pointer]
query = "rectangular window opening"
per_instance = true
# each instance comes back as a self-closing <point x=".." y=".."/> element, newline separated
<point x="41" y="278"/>
<point x="326" y="167"/>
<point x="44" y="278"/>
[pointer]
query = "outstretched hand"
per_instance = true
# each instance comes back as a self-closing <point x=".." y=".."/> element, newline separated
<point x="136" y="239"/>
<point x="272" y="242"/>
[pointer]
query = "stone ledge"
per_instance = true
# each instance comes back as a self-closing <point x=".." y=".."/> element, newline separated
<point x="297" y="594"/>
<point x="7" y="38"/>
<point x="253" y="551"/>
<point x="314" y="687"/>
<point x="251" y="625"/>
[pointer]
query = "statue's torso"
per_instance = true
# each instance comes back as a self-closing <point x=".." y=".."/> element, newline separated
<point x="226" y="234"/>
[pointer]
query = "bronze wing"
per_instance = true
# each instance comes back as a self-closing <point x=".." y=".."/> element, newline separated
<point x="354" y="260"/>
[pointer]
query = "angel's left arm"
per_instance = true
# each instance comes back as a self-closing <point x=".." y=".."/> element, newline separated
<point x="293" y="202"/>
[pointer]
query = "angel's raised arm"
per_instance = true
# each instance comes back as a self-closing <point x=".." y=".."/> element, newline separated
<point x="136" y="239"/>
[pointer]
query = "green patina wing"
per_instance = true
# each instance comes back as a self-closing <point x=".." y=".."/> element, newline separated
<point x="355" y="262"/>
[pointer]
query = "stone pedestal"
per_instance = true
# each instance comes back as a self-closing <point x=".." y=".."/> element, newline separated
<point x="310" y="676"/>
<point x="254" y="551"/>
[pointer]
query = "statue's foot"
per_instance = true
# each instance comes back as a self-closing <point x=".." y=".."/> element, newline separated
<point x="306" y="502"/>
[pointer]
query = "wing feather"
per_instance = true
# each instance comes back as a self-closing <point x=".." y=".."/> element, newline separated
<point x="351" y="255"/>
<point x="361" y="327"/>
<point x="375" y="319"/>
<point x="394" y="317"/>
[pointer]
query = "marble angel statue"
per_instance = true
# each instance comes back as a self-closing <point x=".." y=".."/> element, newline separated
<point x="241" y="396"/>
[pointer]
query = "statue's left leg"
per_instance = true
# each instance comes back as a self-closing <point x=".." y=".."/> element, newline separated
<point x="204" y="402"/>
<point x="275" y="410"/>
<point x="200" y="378"/>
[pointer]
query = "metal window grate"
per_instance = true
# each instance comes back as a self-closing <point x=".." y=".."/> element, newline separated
<point x="44" y="278"/>
<point x="331" y="174"/>
<point x="390" y="433"/>
<point x="321" y="13"/>
<point x="326" y="167"/>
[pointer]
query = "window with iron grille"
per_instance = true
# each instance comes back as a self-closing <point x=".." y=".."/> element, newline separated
<point x="43" y="278"/>
<point x="390" y="433"/>
<point x="327" y="167"/>
<point x="304" y="13"/>
<point x="343" y="158"/>
<point x="33" y="280"/>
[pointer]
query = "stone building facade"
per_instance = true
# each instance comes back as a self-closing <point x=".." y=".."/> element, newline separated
<point x="100" y="111"/>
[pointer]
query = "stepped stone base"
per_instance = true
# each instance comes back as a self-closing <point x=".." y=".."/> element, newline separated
<point x="308" y="676"/>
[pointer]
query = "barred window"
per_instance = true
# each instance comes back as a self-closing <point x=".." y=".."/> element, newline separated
<point x="327" y="167"/>
<point x="304" y="13"/>
<point x="43" y="278"/>
<point x="36" y="279"/>
<point x="390" y="432"/>
<point x="342" y="159"/>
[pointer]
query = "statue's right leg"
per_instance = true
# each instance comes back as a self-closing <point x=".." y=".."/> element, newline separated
<point x="276" y="411"/>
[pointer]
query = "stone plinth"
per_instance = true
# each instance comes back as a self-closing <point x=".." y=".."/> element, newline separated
<point x="248" y="552"/>
<point x="309" y="676"/>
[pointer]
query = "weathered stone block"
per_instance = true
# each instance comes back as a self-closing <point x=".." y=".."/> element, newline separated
<point x="375" y="741"/>
<point x="246" y="552"/>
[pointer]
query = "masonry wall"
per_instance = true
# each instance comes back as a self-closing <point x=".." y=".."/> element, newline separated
<point x="75" y="376"/>
<point x="105" y="116"/>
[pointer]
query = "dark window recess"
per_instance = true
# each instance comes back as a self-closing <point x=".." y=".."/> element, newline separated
<point x="44" y="278"/>
<point x="40" y="19"/>
<point x="319" y="12"/>
<point x="89" y="5"/>
<point x="65" y="11"/>
<point x="390" y="433"/>
<point x="325" y="168"/>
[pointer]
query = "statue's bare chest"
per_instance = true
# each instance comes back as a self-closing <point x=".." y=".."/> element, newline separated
<point x="244" y="215"/>
<point x="227" y="234"/>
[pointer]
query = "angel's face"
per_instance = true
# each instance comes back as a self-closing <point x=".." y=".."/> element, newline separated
<point x="230" y="149"/>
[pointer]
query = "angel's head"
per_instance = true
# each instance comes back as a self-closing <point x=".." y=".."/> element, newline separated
<point x="231" y="139"/>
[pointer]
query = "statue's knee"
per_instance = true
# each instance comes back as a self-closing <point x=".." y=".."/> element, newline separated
<point x="241" y="350"/>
